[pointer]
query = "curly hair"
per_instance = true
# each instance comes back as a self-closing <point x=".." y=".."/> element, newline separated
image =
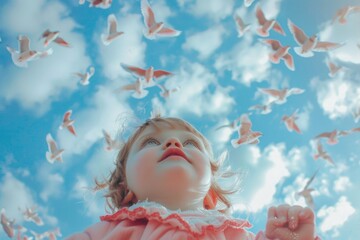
<point x="116" y="183"/>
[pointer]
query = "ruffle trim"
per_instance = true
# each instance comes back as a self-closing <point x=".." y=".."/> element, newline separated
<point x="196" y="222"/>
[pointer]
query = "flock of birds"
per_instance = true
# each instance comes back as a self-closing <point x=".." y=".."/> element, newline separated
<point x="147" y="78"/>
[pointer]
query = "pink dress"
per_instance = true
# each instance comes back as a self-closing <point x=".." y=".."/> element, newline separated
<point x="152" y="221"/>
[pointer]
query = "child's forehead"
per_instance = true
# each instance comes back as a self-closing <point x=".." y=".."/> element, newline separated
<point x="160" y="127"/>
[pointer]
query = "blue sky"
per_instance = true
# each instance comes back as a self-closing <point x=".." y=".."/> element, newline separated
<point x="218" y="75"/>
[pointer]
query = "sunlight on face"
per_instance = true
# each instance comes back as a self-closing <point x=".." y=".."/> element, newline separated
<point x="169" y="165"/>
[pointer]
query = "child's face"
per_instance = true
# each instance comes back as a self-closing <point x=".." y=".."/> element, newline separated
<point x="169" y="165"/>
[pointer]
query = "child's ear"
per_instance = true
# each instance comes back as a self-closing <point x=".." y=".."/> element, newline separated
<point x="210" y="199"/>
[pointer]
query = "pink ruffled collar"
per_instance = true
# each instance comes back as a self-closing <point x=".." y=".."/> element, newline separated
<point x="192" y="221"/>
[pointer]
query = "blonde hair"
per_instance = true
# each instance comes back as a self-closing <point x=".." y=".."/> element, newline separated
<point x="116" y="183"/>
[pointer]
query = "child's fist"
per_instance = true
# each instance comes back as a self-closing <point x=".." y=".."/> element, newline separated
<point x="287" y="222"/>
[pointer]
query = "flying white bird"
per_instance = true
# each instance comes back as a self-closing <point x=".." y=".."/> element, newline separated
<point x="148" y="74"/>
<point x="111" y="144"/>
<point x="155" y="29"/>
<point x="7" y="225"/>
<point x="84" y="78"/>
<point x="280" y="52"/>
<point x="98" y="3"/>
<point x="53" y="234"/>
<point x="332" y="136"/>
<point x="49" y="37"/>
<point x="333" y="68"/>
<point x="24" y="55"/>
<point x="165" y="93"/>
<point x="262" y="108"/>
<point x="343" y="12"/>
<point x="138" y="89"/>
<point x="39" y="236"/>
<point x="290" y="122"/>
<point x="309" y="44"/>
<point x="112" y="31"/>
<point x="321" y="153"/>
<point x="30" y="214"/>
<point x="246" y="135"/>
<point x="306" y="192"/>
<point x="67" y="123"/>
<point x="241" y="27"/>
<point x="266" y="25"/>
<point x="281" y="95"/>
<point x="54" y="153"/>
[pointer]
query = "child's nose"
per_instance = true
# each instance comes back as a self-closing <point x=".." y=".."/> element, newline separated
<point x="172" y="142"/>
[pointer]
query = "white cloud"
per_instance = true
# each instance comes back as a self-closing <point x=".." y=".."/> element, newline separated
<point x="337" y="97"/>
<point x="270" y="169"/>
<point x="52" y="183"/>
<point x="32" y="87"/>
<point x="213" y="9"/>
<point x="127" y="48"/>
<point x="14" y="194"/>
<point x="341" y="184"/>
<point x="198" y="90"/>
<point x="343" y="33"/>
<point x="334" y="217"/>
<point x="206" y="42"/>
<point x="248" y="63"/>
<point x="162" y="11"/>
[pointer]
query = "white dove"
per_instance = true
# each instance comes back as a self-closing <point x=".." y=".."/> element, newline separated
<point x="246" y="135"/>
<point x="241" y="27"/>
<point x="290" y="122"/>
<point x="321" y="153"/>
<point x="309" y="44"/>
<point x="266" y="25"/>
<point x="111" y="144"/>
<point x="86" y="76"/>
<point x="281" y="95"/>
<point x="155" y="29"/>
<point x="53" y="37"/>
<point x="306" y="192"/>
<point x="343" y="12"/>
<point x="67" y="123"/>
<point x="333" y="68"/>
<point x="54" y="153"/>
<point x="31" y="215"/>
<point x="24" y="55"/>
<point x="262" y="108"/>
<point x="7" y="225"/>
<point x="165" y="93"/>
<point x="332" y="136"/>
<point x="53" y="234"/>
<point x="280" y="52"/>
<point x="148" y="74"/>
<point x="98" y="3"/>
<point x="112" y="31"/>
<point x="138" y="89"/>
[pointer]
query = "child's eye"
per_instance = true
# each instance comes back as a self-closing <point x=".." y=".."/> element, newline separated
<point x="191" y="142"/>
<point x="151" y="141"/>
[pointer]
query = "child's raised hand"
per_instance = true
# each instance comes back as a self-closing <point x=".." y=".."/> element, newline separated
<point x="287" y="222"/>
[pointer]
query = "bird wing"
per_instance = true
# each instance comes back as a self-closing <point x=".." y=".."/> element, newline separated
<point x="325" y="46"/>
<point x="275" y="44"/>
<point x="161" y="73"/>
<point x="298" y="34"/>
<point x="134" y="70"/>
<point x="278" y="28"/>
<point x="112" y="24"/>
<point x="260" y="16"/>
<point x="147" y="12"/>
<point x="67" y="116"/>
<point x="61" y="42"/>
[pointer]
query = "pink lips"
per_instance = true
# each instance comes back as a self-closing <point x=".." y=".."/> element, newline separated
<point x="173" y="152"/>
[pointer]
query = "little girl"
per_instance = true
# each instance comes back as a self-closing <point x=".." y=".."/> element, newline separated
<point x="163" y="187"/>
